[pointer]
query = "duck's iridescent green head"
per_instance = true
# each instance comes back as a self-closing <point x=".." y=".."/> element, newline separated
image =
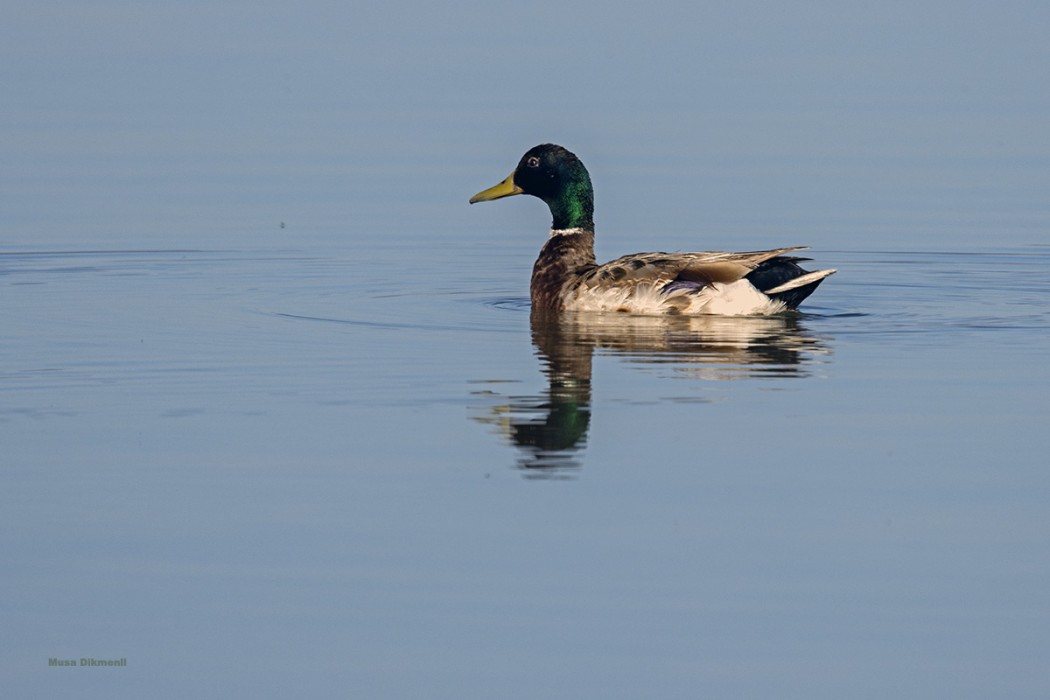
<point x="556" y="176"/>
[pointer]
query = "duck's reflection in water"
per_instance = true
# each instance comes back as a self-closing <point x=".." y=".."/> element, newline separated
<point x="550" y="429"/>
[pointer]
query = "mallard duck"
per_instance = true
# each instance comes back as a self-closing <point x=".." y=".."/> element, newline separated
<point x="567" y="278"/>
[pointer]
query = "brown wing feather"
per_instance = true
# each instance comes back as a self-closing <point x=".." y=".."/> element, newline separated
<point x="703" y="268"/>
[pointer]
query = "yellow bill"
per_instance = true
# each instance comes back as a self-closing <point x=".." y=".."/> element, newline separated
<point x="503" y="189"/>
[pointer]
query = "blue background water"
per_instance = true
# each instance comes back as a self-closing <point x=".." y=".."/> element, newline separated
<point x="275" y="420"/>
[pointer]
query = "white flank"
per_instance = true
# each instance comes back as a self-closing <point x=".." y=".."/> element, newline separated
<point x="738" y="298"/>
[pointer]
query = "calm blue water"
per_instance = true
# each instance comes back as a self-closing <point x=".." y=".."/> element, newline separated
<point x="276" y="418"/>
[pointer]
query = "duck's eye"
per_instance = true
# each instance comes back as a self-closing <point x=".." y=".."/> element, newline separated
<point x="533" y="162"/>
